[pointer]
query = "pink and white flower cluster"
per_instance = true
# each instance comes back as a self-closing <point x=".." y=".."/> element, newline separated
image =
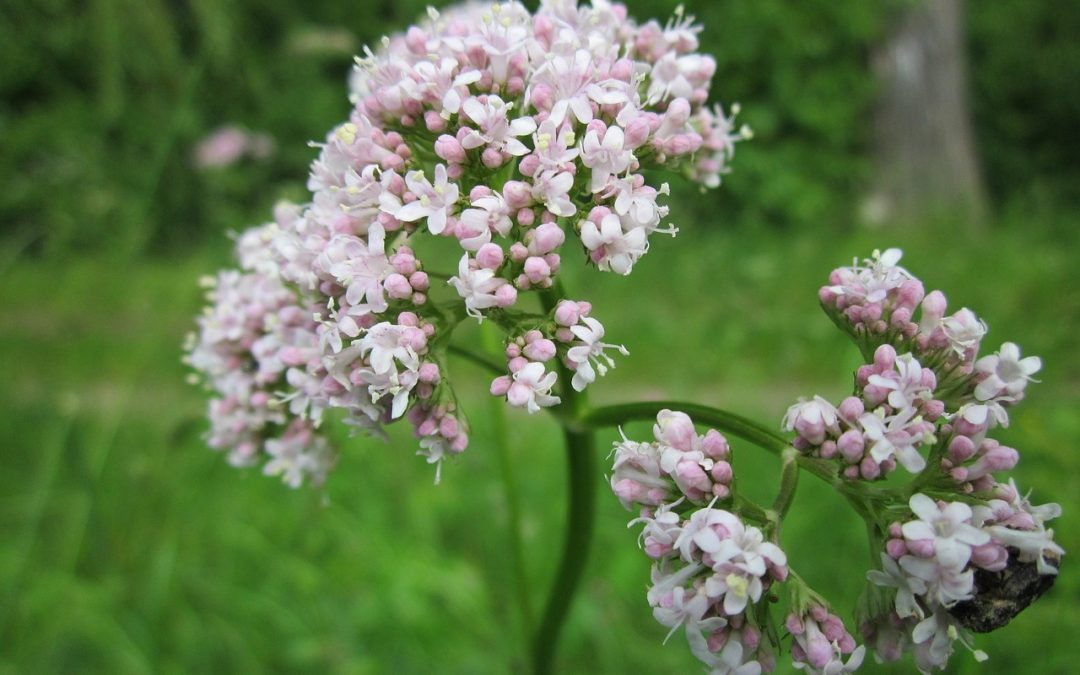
<point x="931" y="563"/>
<point x="505" y="132"/>
<point x="570" y="335"/>
<point x="710" y="567"/>
<point x="820" y="642"/>
<point x="934" y="403"/>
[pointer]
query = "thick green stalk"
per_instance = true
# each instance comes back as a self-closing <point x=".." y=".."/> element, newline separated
<point x="512" y="494"/>
<point x="582" y="478"/>
<point x="581" y="467"/>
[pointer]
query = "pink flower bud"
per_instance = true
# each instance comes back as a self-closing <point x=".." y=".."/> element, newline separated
<point x="429" y="373"/>
<point x="637" y="132"/>
<point x="526" y="217"/>
<point x="869" y="469"/>
<point x="291" y="357"/>
<point x="517" y="194"/>
<point x="910" y="295"/>
<point x="434" y="121"/>
<point x="419" y="281"/>
<point x="990" y="556"/>
<point x="489" y="256"/>
<point x="850" y="409"/>
<point x="794" y="624"/>
<point x="623" y="69"/>
<point x="715" y="446"/>
<point x="479" y="192"/>
<point x="505" y="295"/>
<point x="924" y="548"/>
<point x="851" y="444"/>
<point x="427" y="427"/>
<point x="500" y="385"/>
<point x="518" y="252"/>
<point x="448" y="427"/>
<point x="529" y="165"/>
<point x="460" y="442"/>
<point x="398" y="287"/>
<point x="546" y="239"/>
<point x="934" y="306"/>
<point x="540" y="350"/>
<point x="721" y="472"/>
<point x="675" y="429"/>
<point x="491" y="158"/>
<point x="536" y="269"/>
<point x="896" y="548"/>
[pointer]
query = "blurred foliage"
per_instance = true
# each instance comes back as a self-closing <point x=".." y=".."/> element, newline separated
<point x="103" y="101"/>
<point x="1026" y="82"/>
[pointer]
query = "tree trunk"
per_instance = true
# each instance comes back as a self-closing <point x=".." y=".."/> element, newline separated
<point x="925" y="156"/>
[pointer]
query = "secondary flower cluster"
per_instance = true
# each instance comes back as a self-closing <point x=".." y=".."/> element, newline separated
<point x="711" y="569"/>
<point x="947" y="566"/>
<point x="930" y="409"/>
<point x="504" y="132"/>
<point x="936" y="401"/>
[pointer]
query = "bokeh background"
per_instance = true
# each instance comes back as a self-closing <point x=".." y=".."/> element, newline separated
<point x="129" y="547"/>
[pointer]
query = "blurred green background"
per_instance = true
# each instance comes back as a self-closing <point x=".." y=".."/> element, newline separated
<point x="129" y="547"/>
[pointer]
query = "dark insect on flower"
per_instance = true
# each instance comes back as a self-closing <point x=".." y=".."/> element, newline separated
<point x="1000" y="596"/>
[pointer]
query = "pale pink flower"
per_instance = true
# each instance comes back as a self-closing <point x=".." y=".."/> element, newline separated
<point x="1006" y="374"/>
<point x="433" y="201"/>
<point x="478" y="286"/>
<point x="588" y="355"/>
<point x="614" y="248"/>
<point x="605" y="157"/>
<point x="531" y="388"/>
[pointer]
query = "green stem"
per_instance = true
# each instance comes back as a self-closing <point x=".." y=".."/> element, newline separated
<point x="582" y="480"/>
<point x="789" y="482"/>
<point x="482" y="361"/>
<point x="497" y="409"/>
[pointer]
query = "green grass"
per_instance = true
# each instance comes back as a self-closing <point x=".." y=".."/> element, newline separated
<point x="131" y="548"/>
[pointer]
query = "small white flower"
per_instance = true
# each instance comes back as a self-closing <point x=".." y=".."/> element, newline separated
<point x="1006" y="373"/>
<point x="590" y="352"/>
<point x="552" y="189"/>
<point x="892" y="436"/>
<point x="964" y="331"/>
<point x="618" y="249"/>
<point x="811" y="419"/>
<point x="495" y="129"/>
<point x="905" y="384"/>
<point x="605" y="157"/>
<point x="532" y="388"/>
<point x="434" y="201"/>
<point x="476" y="286"/>
<point x="907" y="587"/>
<point x="948" y="526"/>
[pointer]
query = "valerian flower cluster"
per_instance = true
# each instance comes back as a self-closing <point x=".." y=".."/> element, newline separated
<point x="960" y="550"/>
<point x="508" y="133"/>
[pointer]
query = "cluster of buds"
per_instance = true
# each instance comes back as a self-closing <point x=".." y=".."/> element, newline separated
<point x="506" y="132"/>
<point x="820" y="642"/>
<point x="711" y="569"/>
<point x="933" y="403"/>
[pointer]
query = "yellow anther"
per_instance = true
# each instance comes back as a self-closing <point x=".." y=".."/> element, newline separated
<point x="346" y="133"/>
<point x="737" y="585"/>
